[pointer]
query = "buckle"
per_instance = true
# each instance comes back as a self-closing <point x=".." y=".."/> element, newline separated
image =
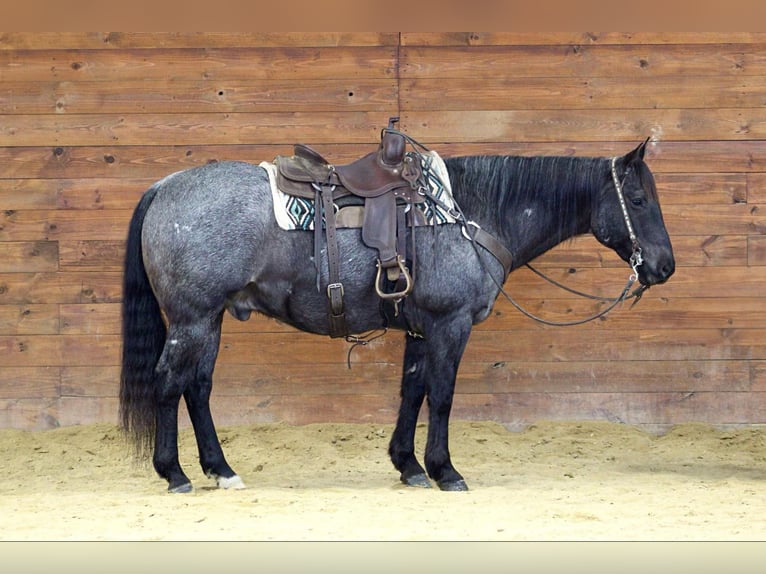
<point x="333" y="287"/>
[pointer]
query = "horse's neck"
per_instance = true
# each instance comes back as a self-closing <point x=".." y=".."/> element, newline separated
<point x="538" y="204"/>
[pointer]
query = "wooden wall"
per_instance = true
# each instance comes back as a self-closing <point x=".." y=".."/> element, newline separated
<point x="89" y="121"/>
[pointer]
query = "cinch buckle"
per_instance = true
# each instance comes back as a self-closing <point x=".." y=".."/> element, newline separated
<point x="332" y="287"/>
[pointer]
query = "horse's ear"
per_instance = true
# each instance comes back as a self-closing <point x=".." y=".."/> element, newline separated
<point x="637" y="153"/>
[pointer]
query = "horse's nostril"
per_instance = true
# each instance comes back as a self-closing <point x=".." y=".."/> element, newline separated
<point x="667" y="270"/>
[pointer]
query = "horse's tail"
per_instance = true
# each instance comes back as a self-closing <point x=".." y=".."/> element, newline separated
<point x="143" y="337"/>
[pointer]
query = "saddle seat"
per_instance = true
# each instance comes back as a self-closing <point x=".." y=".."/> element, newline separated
<point x="386" y="181"/>
<point x="389" y="169"/>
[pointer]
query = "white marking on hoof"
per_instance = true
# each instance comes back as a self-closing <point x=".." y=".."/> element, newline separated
<point x="233" y="483"/>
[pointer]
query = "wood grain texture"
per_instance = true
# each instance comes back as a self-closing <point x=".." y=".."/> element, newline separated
<point x="88" y="121"/>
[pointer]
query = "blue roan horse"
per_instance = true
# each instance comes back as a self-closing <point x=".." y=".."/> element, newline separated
<point x="205" y="240"/>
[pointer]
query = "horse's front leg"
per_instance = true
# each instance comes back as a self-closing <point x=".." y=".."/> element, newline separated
<point x="413" y="391"/>
<point x="446" y="342"/>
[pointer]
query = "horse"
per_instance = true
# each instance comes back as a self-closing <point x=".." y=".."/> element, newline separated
<point x="203" y="241"/>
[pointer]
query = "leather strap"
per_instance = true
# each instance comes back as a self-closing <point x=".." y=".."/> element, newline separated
<point x="337" y="314"/>
<point x="497" y="249"/>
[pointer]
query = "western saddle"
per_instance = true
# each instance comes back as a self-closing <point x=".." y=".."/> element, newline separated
<point x="388" y="182"/>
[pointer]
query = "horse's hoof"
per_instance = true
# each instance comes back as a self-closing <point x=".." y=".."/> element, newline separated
<point x="232" y="483"/>
<point x="181" y="488"/>
<point x="417" y="480"/>
<point x="453" y="486"/>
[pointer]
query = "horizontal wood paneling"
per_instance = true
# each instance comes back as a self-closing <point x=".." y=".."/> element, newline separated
<point x="212" y="64"/>
<point x="201" y="96"/>
<point x="88" y="121"/>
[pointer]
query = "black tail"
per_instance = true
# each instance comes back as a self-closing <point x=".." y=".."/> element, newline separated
<point x="143" y="337"/>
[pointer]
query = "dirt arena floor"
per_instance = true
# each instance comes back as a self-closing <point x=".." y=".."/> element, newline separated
<point x="552" y="481"/>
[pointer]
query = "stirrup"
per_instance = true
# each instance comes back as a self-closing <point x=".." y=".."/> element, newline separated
<point x="407" y="278"/>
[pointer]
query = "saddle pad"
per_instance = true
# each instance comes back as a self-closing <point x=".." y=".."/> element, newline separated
<point x="298" y="213"/>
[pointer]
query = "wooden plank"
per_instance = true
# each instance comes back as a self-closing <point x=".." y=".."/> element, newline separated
<point x="615" y="345"/>
<point x="168" y="96"/>
<point x="212" y="64"/>
<point x="758" y="374"/>
<point x="93" y="349"/>
<point x="35" y="256"/>
<point x="64" y="224"/>
<point x="29" y="382"/>
<point x="576" y="38"/>
<point x="30" y="350"/>
<point x="34" y="414"/>
<point x="99" y="193"/>
<point x="668" y="408"/>
<point x="605" y="376"/>
<point x="583" y="61"/>
<point x="84" y="193"/>
<point x="91" y="319"/>
<point x="155" y="162"/>
<point x="734" y="219"/>
<point x="756" y="250"/>
<point x="756" y="188"/>
<point x="153" y="40"/>
<point x="95" y="255"/>
<point x="517" y="411"/>
<point x="699" y="189"/>
<point x="29" y="319"/>
<point x="583" y="125"/>
<point x="62" y="287"/>
<point x="18" y="194"/>
<point x="87" y="410"/>
<point x="90" y="381"/>
<point x="581" y="93"/>
<point x="191" y="129"/>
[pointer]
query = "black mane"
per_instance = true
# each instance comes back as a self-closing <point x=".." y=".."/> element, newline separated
<point x="491" y="189"/>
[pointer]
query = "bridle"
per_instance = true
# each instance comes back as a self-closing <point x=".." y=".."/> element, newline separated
<point x="636" y="260"/>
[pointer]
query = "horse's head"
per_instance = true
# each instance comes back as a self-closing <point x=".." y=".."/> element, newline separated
<point x="627" y="218"/>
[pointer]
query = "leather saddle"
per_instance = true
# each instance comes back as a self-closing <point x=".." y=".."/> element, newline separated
<point x="387" y="182"/>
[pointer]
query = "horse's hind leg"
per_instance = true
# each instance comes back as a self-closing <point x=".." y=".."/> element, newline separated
<point x="413" y="391"/>
<point x="197" y="397"/>
<point x="185" y="369"/>
<point x="173" y="375"/>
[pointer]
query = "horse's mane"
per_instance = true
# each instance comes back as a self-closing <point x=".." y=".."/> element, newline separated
<point x="490" y="187"/>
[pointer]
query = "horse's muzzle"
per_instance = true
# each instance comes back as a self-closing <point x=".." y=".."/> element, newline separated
<point x="658" y="271"/>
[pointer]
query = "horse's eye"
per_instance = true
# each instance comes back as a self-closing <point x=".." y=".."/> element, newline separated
<point x="637" y="201"/>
